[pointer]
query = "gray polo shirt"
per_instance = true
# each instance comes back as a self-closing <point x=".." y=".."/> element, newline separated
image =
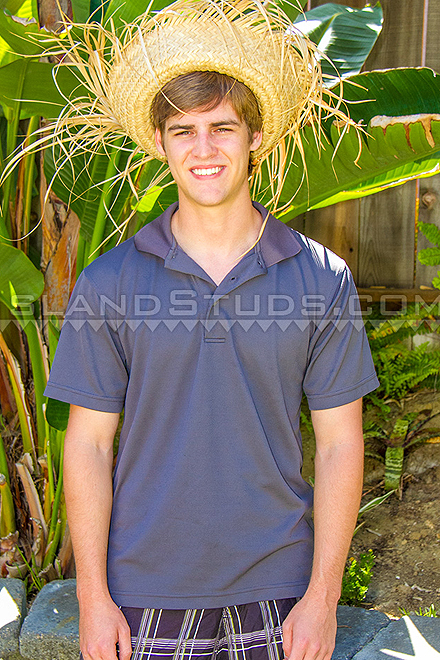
<point x="210" y="508"/>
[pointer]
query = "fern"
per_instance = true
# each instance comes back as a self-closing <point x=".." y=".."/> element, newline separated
<point x="400" y="368"/>
<point x="431" y="256"/>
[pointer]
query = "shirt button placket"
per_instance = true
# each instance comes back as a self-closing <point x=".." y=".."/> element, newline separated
<point x="214" y="332"/>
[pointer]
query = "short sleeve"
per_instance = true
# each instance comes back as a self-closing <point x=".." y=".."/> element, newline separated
<point x="339" y="367"/>
<point x="89" y="368"/>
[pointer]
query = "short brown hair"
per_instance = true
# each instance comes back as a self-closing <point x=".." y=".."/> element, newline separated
<point x="205" y="90"/>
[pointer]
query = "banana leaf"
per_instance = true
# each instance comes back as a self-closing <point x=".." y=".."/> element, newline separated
<point x="125" y="12"/>
<point x="400" y="111"/>
<point x="17" y="31"/>
<point x="20" y="282"/>
<point x="345" y="35"/>
<point x="16" y="18"/>
<point x="32" y="83"/>
<point x="79" y="184"/>
<point x="129" y="10"/>
<point x="291" y="9"/>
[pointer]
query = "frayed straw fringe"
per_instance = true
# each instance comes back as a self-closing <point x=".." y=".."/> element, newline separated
<point x="119" y="75"/>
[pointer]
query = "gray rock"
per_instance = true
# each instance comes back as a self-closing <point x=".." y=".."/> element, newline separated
<point x="12" y="611"/>
<point x="423" y="458"/>
<point x="356" y="627"/>
<point x="50" y="631"/>
<point x="416" y="636"/>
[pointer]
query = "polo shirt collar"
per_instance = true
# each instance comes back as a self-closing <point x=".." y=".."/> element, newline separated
<point x="277" y="243"/>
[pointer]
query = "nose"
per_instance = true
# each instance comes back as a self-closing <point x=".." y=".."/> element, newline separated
<point x="204" y="145"/>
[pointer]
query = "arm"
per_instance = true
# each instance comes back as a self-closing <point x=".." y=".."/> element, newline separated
<point x="310" y="628"/>
<point x="88" y="458"/>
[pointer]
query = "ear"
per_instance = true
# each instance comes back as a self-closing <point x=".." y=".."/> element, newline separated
<point x="158" y="141"/>
<point x="256" y="140"/>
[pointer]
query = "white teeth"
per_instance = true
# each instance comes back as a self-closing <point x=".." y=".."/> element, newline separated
<point x="207" y="172"/>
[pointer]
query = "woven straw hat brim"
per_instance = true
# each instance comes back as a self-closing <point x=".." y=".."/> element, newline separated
<point x="187" y="37"/>
<point x="120" y="74"/>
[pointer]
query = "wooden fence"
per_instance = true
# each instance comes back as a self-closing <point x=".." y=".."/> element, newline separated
<point x="377" y="235"/>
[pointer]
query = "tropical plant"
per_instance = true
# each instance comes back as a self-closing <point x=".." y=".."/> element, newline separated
<point x="406" y="432"/>
<point x="344" y="35"/>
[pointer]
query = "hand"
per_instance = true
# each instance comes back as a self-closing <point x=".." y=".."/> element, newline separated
<point x="101" y="626"/>
<point x="309" y="630"/>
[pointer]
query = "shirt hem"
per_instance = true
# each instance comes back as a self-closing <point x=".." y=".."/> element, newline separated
<point x="321" y="402"/>
<point x="295" y="590"/>
<point x="83" y="399"/>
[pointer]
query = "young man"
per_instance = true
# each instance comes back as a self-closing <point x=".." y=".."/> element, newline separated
<point x="206" y="327"/>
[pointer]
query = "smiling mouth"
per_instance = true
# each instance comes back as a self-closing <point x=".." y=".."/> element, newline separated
<point x="206" y="172"/>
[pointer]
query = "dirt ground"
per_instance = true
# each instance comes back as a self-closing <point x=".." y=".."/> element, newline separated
<point x="404" y="534"/>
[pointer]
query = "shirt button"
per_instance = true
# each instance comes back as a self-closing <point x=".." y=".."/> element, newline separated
<point x="233" y="278"/>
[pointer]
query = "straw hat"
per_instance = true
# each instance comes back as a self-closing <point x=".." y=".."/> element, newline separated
<point x="242" y="39"/>
<point x="120" y="73"/>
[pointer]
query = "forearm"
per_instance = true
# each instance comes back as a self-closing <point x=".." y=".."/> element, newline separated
<point x="88" y="492"/>
<point x="88" y="458"/>
<point x="338" y="488"/>
<point x="310" y="627"/>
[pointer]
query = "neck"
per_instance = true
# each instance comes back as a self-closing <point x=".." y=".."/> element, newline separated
<point x="222" y="234"/>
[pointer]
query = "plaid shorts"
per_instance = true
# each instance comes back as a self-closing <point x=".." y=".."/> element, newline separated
<point x="240" y="632"/>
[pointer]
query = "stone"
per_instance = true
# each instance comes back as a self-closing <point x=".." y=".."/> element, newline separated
<point x="415" y="637"/>
<point x="12" y="612"/>
<point x="423" y="458"/>
<point x="356" y="627"/>
<point x="50" y="631"/>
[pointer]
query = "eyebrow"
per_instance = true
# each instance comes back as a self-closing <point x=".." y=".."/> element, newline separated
<point x="215" y="124"/>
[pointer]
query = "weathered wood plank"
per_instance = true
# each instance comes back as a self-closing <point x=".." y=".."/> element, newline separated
<point x="387" y="294"/>
<point x="337" y="227"/>
<point x="386" y="238"/>
<point x="387" y="220"/>
<point x="432" y="54"/>
<point x="400" y="42"/>
<point x="429" y="212"/>
<point x="386" y="230"/>
<point x="298" y="223"/>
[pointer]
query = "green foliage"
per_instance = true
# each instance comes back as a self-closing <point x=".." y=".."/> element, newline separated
<point x="20" y="282"/>
<point x="401" y="368"/>
<point x="369" y="506"/>
<point x="356" y="579"/>
<point x="57" y="414"/>
<point x="406" y="431"/>
<point x="431" y="611"/>
<point x="345" y="35"/>
<point x="431" y="256"/>
<point x="393" y="467"/>
<point x="73" y="185"/>
<point x="33" y="82"/>
<point x="391" y="150"/>
<point x="432" y="233"/>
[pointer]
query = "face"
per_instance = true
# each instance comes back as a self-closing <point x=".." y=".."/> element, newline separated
<point x="208" y="154"/>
